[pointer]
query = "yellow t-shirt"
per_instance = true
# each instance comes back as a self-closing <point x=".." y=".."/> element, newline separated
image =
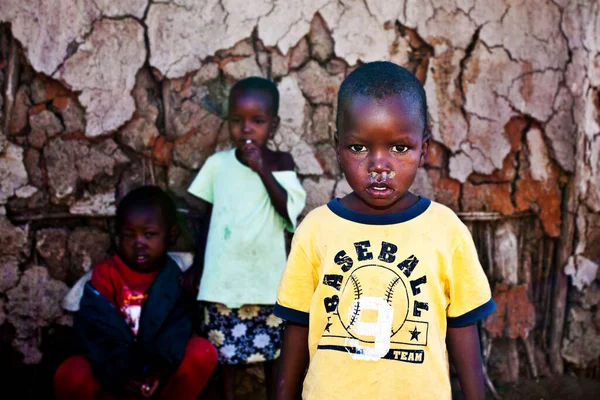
<point x="378" y="293"/>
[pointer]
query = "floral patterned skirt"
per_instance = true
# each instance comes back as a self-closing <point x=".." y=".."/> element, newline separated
<point x="243" y="335"/>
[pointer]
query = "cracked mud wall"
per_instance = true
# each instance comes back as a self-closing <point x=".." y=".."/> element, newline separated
<point x="101" y="96"/>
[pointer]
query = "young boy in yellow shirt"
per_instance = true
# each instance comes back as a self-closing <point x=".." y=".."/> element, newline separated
<point x="381" y="285"/>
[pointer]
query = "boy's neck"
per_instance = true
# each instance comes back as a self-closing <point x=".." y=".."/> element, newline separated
<point x="353" y="202"/>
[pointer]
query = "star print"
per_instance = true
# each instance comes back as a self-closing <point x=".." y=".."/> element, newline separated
<point x="328" y="324"/>
<point x="414" y="334"/>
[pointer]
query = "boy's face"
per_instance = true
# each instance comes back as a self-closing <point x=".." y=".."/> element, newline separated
<point x="380" y="146"/>
<point x="251" y="117"/>
<point x="143" y="239"/>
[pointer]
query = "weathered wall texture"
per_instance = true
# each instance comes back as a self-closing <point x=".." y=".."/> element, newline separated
<point x="100" y="96"/>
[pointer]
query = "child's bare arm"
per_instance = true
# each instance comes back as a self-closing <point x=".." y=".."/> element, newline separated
<point x="465" y="353"/>
<point x="254" y="156"/>
<point x="294" y="360"/>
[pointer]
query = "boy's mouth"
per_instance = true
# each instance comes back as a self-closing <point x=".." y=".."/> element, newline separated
<point x="141" y="258"/>
<point x="379" y="190"/>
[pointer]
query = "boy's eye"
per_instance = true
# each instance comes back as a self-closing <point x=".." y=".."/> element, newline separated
<point x="151" y="234"/>
<point x="399" y="149"/>
<point x="234" y="119"/>
<point x="259" y="121"/>
<point x="357" y="148"/>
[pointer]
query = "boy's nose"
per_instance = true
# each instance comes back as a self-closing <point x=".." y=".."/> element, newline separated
<point x="379" y="163"/>
<point x="247" y="128"/>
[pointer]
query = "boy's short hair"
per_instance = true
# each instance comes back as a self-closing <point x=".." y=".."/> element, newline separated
<point x="256" y="83"/>
<point x="147" y="196"/>
<point x="379" y="80"/>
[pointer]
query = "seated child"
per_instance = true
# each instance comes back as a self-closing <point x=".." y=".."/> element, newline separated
<point x="381" y="286"/>
<point x="132" y="333"/>
<point x="254" y="194"/>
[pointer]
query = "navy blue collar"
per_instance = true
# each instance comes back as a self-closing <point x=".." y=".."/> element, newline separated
<point x="387" y="219"/>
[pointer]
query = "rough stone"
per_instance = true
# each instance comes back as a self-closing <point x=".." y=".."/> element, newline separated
<point x="445" y="190"/>
<point x="318" y="192"/>
<point x="199" y="31"/>
<point x="206" y="73"/>
<point x="537" y="186"/>
<point x="321" y="43"/>
<point x="20" y="111"/>
<point x="279" y="65"/>
<point x="436" y="155"/>
<point x="327" y="157"/>
<point x="30" y="349"/>
<point x="304" y="157"/>
<point x="138" y="134"/>
<point x="25" y="192"/>
<point x="179" y="179"/>
<point x="299" y="54"/>
<point x="561" y="131"/>
<point x="447" y="28"/>
<point x="44" y="125"/>
<point x="33" y="167"/>
<point x="515" y="315"/>
<point x="531" y="33"/>
<point x="582" y="271"/>
<point x="138" y="174"/>
<point x="533" y="93"/>
<point x="12" y="171"/>
<point x="286" y="23"/>
<point x="487" y="197"/>
<point x="47" y="44"/>
<point x="73" y="115"/>
<point x="95" y="204"/>
<point x="87" y="247"/>
<point x="162" y="151"/>
<point x="51" y="245"/>
<point x="342" y="188"/>
<point x="581" y="341"/>
<point x="243" y="48"/>
<point x="37" y="297"/>
<point x="60" y="158"/>
<point x="103" y="159"/>
<point x="292" y="112"/>
<point x="322" y="125"/>
<point x="44" y="89"/>
<point x="193" y="149"/>
<point x="488" y="109"/>
<point x="239" y="69"/>
<point x="507" y="174"/>
<point x="317" y="85"/>
<point x="115" y="47"/>
<point x="121" y="8"/>
<point x="422" y="185"/>
<point x="356" y="33"/>
<point x="9" y="274"/>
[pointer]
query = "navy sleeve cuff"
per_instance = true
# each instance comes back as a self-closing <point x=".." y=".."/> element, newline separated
<point x="474" y="315"/>
<point x="291" y="315"/>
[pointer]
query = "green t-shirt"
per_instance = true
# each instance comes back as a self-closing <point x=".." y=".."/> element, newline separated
<point x="245" y="253"/>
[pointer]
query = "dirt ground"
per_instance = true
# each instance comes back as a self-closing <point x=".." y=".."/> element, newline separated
<point x="552" y="388"/>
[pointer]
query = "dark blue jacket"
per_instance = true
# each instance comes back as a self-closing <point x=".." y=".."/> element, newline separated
<point x="103" y="336"/>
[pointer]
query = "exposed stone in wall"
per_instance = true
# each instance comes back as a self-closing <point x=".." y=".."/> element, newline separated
<point x="35" y="302"/>
<point x="87" y="247"/>
<point x="115" y="48"/>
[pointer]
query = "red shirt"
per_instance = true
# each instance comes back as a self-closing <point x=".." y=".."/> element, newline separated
<point x="125" y="288"/>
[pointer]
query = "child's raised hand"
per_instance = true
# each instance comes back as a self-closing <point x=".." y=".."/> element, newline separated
<point x="252" y="154"/>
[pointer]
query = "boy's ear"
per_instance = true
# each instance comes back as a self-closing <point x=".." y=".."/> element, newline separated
<point x="424" y="148"/>
<point x="174" y="235"/>
<point x="336" y="142"/>
<point x="275" y="123"/>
